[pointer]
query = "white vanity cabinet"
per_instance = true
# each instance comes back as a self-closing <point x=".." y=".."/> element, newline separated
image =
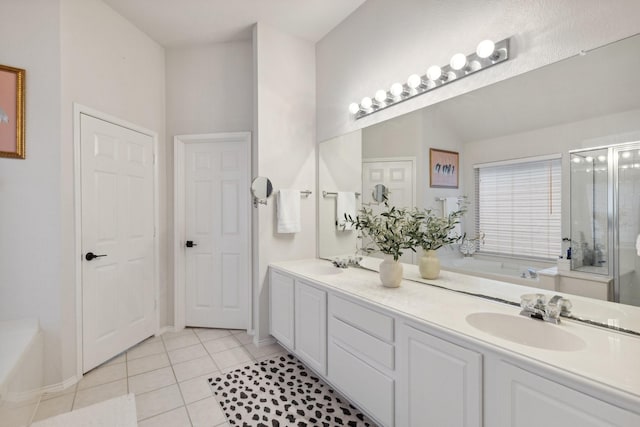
<point x="281" y="302"/>
<point x="361" y="358"/>
<point x="311" y="326"/>
<point x="430" y="369"/>
<point x="298" y="313"/>
<point x="519" y="398"/>
<point x="439" y="383"/>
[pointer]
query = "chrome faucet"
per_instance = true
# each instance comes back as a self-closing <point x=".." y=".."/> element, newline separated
<point x="537" y="307"/>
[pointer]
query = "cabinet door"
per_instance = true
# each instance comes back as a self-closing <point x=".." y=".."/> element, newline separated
<point x="281" y="308"/>
<point x="529" y="400"/>
<point x="311" y="326"/>
<point x="439" y="383"/>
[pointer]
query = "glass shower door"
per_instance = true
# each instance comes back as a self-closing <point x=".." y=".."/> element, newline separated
<point x="627" y="204"/>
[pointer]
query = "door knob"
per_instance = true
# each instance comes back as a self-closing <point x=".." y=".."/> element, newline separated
<point x="90" y="255"/>
<point x="190" y="244"/>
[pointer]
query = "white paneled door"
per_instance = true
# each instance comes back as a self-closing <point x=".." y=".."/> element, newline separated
<point x="216" y="245"/>
<point x="117" y="184"/>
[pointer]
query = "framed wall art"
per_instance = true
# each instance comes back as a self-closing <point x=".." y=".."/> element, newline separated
<point x="443" y="168"/>
<point x="12" y="112"/>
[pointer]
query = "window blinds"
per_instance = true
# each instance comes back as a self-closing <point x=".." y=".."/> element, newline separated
<point x="518" y="208"/>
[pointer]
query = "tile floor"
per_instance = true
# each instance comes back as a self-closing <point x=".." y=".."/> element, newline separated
<point x="168" y="375"/>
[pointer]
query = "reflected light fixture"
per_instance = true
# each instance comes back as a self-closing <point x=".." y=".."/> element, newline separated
<point x="487" y="54"/>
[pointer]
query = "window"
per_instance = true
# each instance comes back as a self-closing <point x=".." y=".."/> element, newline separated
<point x="518" y="207"/>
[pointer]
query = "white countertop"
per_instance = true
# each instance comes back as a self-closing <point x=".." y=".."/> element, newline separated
<point x="609" y="358"/>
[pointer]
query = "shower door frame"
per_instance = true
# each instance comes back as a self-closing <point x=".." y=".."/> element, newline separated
<point x="614" y="150"/>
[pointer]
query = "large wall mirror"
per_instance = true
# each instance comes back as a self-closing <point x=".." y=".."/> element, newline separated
<point x="587" y="101"/>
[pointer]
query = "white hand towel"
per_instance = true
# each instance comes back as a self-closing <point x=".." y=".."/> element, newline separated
<point x="452" y="204"/>
<point x="288" y="203"/>
<point x="345" y="205"/>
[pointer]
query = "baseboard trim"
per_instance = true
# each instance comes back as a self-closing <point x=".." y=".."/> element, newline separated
<point x="264" y="341"/>
<point x="23" y="396"/>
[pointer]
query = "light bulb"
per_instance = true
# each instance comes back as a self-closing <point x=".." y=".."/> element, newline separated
<point x="381" y="95"/>
<point x="626" y="155"/>
<point x="366" y="102"/>
<point x="475" y="65"/>
<point x="589" y="159"/>
<point x="396" y="89"/>
<point x="414" y="81"/>
<point x="434" y="72"/>
<point x="576" y="160"/>
<point x="485" y="48"/>
<point x="602" y="158"/>
<point x="458" y="61"/>
<point x="354" y="108"/>
<point x="451" y="75"/>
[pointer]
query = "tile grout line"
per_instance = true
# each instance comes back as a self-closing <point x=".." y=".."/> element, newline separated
<point x="184" y="402"/>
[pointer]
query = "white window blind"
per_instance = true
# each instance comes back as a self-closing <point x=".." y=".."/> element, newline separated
<point x="518" y="208"/>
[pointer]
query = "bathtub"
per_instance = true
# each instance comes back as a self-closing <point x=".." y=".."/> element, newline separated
<point x="504" y="271"/>
<point x="21" y="370"/>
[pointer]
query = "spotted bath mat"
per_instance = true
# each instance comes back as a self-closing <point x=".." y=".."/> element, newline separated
<point x="282" y="392"/>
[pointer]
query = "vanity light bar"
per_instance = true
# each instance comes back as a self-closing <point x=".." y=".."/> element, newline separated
<point x="486" y="55"/>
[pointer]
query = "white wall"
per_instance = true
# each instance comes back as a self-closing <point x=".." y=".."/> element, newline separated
<point x="339" y="169"/>
<point x="111" y="66"/>
<point x="284" y="151"/>
<point x="30" y="213"/>
<point x="209" y="89"/>
<point x="384" y="41"/>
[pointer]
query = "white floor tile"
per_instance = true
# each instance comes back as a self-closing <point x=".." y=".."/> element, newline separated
<point x="194" y="368"/>
<point x="206" y="412"/>
<point x="237" y="331"/>
<point x="121" y="358"/>
<point x="181" y="333"/>
<point x="197" y="388"/>
<point x="147" y="363"/>
<point x="174" y="418"/>
<point x="181" y="341"/>
<point x="211" y="334"/>
<point x="153" y="380"/>
<point x="221" y="344"/>
<point x="263" y="350"/>
<point x="145" y="349"/>
<point x="55" y="406"/>
<point x="187" y="353"/>
<point x="232" y="357"/>
<point x="158" y="401"/>
<point x="243" y="337"/>
<point x="103" y="375"/>
<point x="100" y="393"/>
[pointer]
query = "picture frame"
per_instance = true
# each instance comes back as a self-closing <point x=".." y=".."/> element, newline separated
<point x="12" y="112"/>
<point x="444" y="168"/>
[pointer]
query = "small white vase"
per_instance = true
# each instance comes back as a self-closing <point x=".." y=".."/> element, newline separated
<point x="390" y="272"/>
<point x="429" y="265"/>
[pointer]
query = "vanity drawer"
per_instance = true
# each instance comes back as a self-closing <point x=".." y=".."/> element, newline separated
<point x="366" y="345"/>
<point x="369" y="388"/>
<point x="370" y="321"/>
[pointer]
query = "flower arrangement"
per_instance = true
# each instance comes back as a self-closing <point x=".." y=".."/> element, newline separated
<point x="390" y="231"/>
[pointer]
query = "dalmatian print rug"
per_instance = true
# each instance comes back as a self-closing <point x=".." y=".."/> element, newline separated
<point x="282" y="392"/>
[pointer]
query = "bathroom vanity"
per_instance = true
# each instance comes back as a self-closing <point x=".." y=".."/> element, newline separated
<point x="418" y="355"/>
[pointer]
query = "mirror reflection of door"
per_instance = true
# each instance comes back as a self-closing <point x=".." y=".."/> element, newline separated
<point x="398" y="176"/>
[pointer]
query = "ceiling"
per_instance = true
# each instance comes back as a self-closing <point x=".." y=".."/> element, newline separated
<point x="180" y="23"/>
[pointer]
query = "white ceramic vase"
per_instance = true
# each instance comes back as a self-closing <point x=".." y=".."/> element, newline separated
<point x="429" y="265"/>
<point x="390" y="272"/>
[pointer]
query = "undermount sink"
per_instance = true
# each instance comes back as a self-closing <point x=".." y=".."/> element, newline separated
<point x="323" y="270"/>
<point x="530" y="332"/>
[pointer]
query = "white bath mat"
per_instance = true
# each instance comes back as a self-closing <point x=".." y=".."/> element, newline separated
<point x="118" y="412"/>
